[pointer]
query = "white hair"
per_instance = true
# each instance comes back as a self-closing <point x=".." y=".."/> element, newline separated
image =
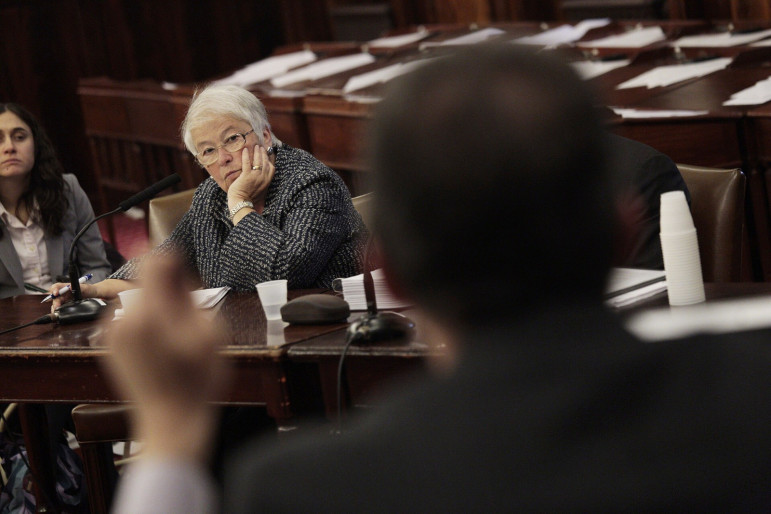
<point x="217" y="101"/>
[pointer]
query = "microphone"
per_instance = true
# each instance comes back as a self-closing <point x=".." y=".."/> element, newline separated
<point x="376" y="326"/>
<point x="80" y="309"/>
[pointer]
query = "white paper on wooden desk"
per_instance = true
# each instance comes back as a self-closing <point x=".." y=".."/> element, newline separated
<point x="655" y="113"/>
<point x="627" y="286"/>
<point x="663" y="76"/>
<point x="268" y="68"/>
<point x="473" y="38"/>
<point x="757" y="94"/>
<point x="397" y="41"/>
<point x="324" y="68"/>
<point x="353" y="292"/>
<point x="563" y="34"/>
<point x="202" y="298"/>
<point x="636" y="38"/>
<point x="712" y="318"/>
<point x="720" y="40"/>
<point x="382" y="75"/>
<point x="590" y="69"/>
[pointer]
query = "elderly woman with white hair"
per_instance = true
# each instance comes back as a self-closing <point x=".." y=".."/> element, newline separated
<point x="267" y="211"/>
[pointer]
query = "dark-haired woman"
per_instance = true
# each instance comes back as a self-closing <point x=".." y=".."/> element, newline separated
<point x="41" y="210"/>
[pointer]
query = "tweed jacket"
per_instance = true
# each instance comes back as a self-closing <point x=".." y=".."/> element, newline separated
<point x="90" y="250"/>
<point x="309" y="232"/>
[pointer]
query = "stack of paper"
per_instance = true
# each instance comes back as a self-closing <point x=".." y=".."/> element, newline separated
<point x="382" y="75"/>
<point x="758" y="94"/>
<point x="636" y="38"/>
<point x="353" y="292"/>
<point x="473" y="38"/>
<point x="630" y="285"/>
<point x="202" y="298"/>
<point x="674" y="73"/>
<point x="721" y="40"/>
<point x="655" y="113"/>
<point x="402" y="40"/>
<point x="268" y="68"/>
<point x="563" y="34"/>
<point x="590" y="69"/>
<point x="322" y="69"/>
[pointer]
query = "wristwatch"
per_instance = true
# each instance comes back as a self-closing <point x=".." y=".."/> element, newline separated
<point x="237" y="207"/>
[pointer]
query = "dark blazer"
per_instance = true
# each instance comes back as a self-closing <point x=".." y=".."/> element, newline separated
<point x="649" y="173"/>
<point x="544" y="416"/>
<point x="90" y="250"/>
<point x="309" y="232"/>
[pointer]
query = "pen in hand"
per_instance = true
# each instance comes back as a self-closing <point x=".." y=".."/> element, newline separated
<point x="83" y="279"/>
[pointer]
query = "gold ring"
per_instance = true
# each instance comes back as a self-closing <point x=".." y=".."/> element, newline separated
<point x="257" y="167"/>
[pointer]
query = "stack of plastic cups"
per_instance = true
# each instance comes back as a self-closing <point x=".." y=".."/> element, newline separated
<point x="685" y="284"/>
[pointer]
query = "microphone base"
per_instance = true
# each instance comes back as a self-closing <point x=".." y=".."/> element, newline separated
<point x="382" y="326"/>
<point x="79" y="311"/>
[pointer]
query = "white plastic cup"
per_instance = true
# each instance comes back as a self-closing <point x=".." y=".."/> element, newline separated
<point x="130" y="298"/>
<point x="272" y="296"/>
<point x="680" y="248"/>
<point x="675" y="213"/>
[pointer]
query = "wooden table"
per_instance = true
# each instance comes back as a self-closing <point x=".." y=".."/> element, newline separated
<point x="60" y="364"/>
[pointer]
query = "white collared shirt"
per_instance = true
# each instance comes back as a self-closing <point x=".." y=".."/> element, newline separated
<point x="29" y="241"/>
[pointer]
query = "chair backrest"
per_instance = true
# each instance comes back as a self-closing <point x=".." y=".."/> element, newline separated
<point x="362" y="204"/>
<point x="164" y="213"/>
<point x="717" y="207"/>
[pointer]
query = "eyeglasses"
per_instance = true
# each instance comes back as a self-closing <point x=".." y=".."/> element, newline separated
<point x="232" y="143"/>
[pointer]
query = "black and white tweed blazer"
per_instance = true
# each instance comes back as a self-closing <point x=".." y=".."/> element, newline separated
<point x="309" y="232"/>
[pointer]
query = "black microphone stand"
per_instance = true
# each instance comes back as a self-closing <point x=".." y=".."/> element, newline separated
<point x="80" y="309"/>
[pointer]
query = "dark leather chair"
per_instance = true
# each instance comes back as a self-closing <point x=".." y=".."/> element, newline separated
<point x="164" y="213"/>
<point x="717" y="207"/>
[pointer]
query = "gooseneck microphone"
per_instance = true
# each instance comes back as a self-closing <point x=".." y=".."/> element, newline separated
<point x="80" y="309"/>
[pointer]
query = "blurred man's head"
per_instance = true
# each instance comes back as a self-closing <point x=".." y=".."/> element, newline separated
<point x="491" y="189"/>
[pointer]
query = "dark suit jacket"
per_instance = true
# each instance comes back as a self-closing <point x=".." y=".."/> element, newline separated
<point x="574" y="416"/>
<point x="90" y="251"/>
<point x="649" y="173"/>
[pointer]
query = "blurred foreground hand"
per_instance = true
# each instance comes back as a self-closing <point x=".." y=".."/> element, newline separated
<point x="163" y="356"/>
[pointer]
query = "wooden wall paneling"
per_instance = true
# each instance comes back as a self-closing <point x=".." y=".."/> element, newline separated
<point x="699" y="9"/>
<point x="525" y="10"/>
<point x="305" y="20"/>
<point x="462" y="11"/>
<point x="750" y="9"/>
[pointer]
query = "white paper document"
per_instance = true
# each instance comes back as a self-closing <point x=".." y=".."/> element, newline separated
<point x="563" y="34"/>
<point x="202" y="298"/>
<point x="268" y="68"/>
<point x="324" y="68"/>
<point x="473" y="38"/>
<point x="757" y="94"/>
<point x="590" y="69"/>
<point x="636" y="38"/>
<point x="672" y="74"/>
<point x="353" y="292"/>
<point x="627" y="286"/>
<point x="711" y="317"/>
<point x="397" y="41"/>
<point x="382" y="75"/>
<point x="641" y="114"/>
<point x="721" y="39"/>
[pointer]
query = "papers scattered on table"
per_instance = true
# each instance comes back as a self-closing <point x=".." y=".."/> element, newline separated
<point x="720" y="40"/>
<point x="712" y="317"/>
<point x="653" y="113"/>
<point x="202" y="298"/>
<point x="268" y="68"/>
<point x="636" y="38"/>
<point x="627" y="286"/>
<point x="478" y="36"/>
<point x="324" y="68"/>
<point x="353" y="292"/>
<point x="397" y="41"/>
<point x="757" y="94"/>
<point x="672" y="74"/>
<point x="590" y="69"/>
<point x="563" y="34"/>
<point x="381" y="76"/>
